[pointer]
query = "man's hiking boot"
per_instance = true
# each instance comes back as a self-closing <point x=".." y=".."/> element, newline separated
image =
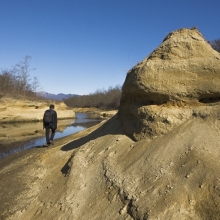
<point x="49" y="143"/>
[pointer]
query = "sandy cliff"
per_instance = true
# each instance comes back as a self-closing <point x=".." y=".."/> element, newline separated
<point x="158" y="158"/>
<point x="15" y="110"/>
<point x="181" y="78"/>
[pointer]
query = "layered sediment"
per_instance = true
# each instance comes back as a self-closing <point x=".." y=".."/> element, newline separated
<point x="18" y="110"/>
<point x="178" y="80"/>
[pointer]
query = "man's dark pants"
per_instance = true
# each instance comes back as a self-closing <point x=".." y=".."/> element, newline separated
<point x="49" y="137"/>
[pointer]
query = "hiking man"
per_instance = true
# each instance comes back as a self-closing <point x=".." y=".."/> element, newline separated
<point x="50" y="124"/>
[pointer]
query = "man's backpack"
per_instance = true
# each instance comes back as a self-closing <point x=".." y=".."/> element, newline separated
<point x="48" y="117"/>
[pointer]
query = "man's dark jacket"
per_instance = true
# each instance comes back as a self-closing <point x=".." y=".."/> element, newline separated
<point x="54" y="116"/>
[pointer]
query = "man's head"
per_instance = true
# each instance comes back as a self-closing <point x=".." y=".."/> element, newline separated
<point x="52" y="106"/>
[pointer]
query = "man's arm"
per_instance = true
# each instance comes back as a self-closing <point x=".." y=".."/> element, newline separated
<point x="55" y="120"/>
<point x="43" y="121"/>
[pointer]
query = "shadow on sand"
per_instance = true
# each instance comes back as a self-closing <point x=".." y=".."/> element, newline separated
<point x="41" y="146"/>
<point x="112" y="126"/>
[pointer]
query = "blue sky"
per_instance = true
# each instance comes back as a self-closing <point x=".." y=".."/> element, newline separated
<point x="80" y="46"/>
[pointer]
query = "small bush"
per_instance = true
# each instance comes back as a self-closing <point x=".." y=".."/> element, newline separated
<point x="215" y="44"/>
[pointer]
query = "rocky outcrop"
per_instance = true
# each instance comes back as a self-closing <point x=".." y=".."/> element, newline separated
<point x="176" y="81"/>
<point x="12" y="110"/>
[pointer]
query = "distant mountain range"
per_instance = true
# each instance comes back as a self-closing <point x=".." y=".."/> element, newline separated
<point x="59" y="96"/>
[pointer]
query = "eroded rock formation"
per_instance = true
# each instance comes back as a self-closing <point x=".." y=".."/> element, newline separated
<point x="173" y="83"/>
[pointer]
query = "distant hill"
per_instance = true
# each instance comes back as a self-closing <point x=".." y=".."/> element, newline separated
<point x="59" y="96"/>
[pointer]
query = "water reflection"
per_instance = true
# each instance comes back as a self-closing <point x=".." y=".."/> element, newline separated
<point x="27" y="135"/>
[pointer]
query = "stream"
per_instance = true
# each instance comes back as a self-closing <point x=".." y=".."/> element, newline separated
<point x="65" y="127"/>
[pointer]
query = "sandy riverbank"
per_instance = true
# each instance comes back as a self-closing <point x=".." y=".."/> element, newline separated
<point x="19" y="110"/>
<point x="100" y="173"/>
<point x="25" y="172"/>
<point x="13" y="132"/>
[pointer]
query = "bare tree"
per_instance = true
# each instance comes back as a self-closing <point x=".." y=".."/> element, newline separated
<point x="6" y="81"/>
<point x="22" y="72"/>
<point x="215" y="44"/>
<point x="35" y="84"/>
<point x="18" y="80"/>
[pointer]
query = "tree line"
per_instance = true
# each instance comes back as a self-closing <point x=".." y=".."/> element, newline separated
<point x="17" y="81"/>
<point x="215" y="44"/>
<point x="102" y="99"/>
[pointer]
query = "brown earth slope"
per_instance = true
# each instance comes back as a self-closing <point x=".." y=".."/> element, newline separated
<point x="103" y="174"/>
<point x="18" y="110"/>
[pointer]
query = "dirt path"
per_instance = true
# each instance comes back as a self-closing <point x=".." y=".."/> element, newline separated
<point x="28" y="175"/>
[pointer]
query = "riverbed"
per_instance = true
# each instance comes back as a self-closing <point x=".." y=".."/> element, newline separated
<point x="31" y="135"/>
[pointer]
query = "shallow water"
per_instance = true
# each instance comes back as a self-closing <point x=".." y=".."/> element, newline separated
<point x="65" y="128"/>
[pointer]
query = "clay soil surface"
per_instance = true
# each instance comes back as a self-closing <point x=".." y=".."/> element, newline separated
<point x="100" y="173"/>
<point x="27" y="175"/>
